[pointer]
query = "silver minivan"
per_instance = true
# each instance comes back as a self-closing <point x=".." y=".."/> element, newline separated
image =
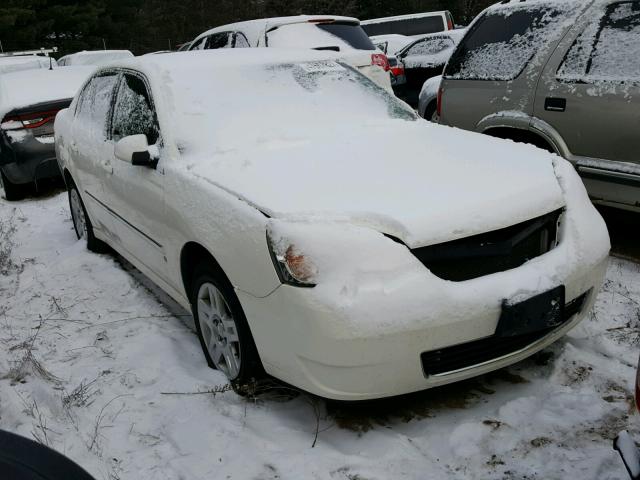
<point x="563" y="75"/>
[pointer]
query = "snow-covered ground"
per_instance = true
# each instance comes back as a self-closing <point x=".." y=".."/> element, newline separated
<point x="95" y="363"/>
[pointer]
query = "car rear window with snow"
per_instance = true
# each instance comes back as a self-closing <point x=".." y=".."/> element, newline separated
<point x="608" y="49"/>
<point x="334" y="35"/>
<point x="502" y="42"/>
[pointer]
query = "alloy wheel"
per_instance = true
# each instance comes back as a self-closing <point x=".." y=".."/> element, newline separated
<point x="219" y="330"/>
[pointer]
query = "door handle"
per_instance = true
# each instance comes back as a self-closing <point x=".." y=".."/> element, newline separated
<point x="552" y="104"/>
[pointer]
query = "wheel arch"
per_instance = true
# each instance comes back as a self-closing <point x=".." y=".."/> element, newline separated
<point x="192" y="255"/>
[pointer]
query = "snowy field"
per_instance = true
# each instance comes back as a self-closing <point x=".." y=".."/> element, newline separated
<point x="95" y="363"/>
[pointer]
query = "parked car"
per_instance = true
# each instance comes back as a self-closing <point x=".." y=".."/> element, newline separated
<point x="425" y="58"/>
<point x="320" y="32"/>
<point x="24" y="459"/>
<point x="413" y="24"/>
<point x="390" y="44"/>
<point x="15" y="63"/>
<point x="428" y="99"/>
<point x="94" y="57"/>
<point x="626" y="446"/>
<point x="300" y="248"/>
<point x="29" y="101"/>
<point x="563" y="76"/>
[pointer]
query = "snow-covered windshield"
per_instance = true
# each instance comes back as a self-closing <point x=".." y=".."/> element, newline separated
<point x="272" y="101"/>
<point x="502" y="42"/>
<point x="338" y="35"/>
<point x="608" y="49"/>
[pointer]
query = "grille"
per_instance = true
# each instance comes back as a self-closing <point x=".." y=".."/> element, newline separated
<point x="491" y="252"/>
<point x="458" y="357"/>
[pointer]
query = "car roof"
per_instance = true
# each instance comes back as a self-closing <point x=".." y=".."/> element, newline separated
<point x="254" y="28"/>
<point x="404" y="17"/>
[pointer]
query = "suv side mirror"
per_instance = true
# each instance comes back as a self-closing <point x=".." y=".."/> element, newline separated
<point x="134" y="149"/>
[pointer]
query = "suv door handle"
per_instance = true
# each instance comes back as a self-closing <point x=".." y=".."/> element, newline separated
<point x="552" y="104"/>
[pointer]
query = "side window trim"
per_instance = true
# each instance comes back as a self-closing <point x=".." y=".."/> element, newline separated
<point x="235" y="39"/>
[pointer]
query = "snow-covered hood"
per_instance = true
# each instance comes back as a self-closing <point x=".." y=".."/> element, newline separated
<point x="420" y="182"/>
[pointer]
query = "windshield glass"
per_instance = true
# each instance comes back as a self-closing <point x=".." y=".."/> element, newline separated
<point x="343" y="35"/>
<point x="274" y="101"/>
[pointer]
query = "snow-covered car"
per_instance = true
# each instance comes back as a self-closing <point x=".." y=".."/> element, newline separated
<point x="342" y="35"/>
<point x="15" y="63"/>
<point x="425" y="58"/>
<point x="300" y="248"/>
<point x="390" y="44"/>
<point x="93" y="57"/>
<point x="561" y="75"/>
<point x="428" y="99"/>
<point x="29" y="102"/>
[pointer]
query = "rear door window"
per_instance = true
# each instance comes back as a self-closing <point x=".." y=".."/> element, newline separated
<point x="240" y="41"/>
<point x="95" y="102"/>
<point x="608" y="49"/>
<point x="219" y="40"/>
<point x="501" y="43"/>
<point x="430" y="46"/>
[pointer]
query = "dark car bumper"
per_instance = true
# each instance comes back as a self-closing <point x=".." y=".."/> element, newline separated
<point x="28" y="160"/>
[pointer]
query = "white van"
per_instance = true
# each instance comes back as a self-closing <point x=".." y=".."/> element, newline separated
<point x="414" y="24"/>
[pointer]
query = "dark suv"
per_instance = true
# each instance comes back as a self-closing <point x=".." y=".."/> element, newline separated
<point x="564" y="76"/>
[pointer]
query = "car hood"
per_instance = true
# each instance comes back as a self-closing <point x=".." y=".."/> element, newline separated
<point x="420" y="182"/>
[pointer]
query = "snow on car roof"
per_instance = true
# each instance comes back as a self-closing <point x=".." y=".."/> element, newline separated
<point x="95" y="57"/>
<point x="24" y="62"/>
<point x="403" y="17"/>
<point x="30" y="87"/>
<point x="254" y="28"/>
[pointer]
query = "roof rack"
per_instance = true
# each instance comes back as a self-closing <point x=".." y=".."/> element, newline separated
<point x="41" y="51"/>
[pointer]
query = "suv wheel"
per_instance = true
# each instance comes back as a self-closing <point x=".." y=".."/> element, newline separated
<point x="223" y="330"/>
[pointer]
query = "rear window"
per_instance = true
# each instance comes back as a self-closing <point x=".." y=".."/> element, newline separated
<point x="407" y="26"/>
<point x="608" y="49"/>
<point x="330" y="36"/>
<point x="501" y="43"/>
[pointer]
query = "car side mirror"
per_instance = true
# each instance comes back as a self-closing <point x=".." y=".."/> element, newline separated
<point x="134" y="149"/>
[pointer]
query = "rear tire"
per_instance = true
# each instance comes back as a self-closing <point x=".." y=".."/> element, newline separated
<point x="82" y="223"/>
<point x="12" y="191"/>
<point x="223" y="330"/>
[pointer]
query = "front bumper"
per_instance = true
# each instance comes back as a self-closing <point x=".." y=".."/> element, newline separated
<point x="318" y="349"/>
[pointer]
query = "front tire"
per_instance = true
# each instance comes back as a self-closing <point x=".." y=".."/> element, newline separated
<point x="82" y="223"/>
<point x="12" y="191"/>
<point x="223" y="330"/>
<point x="431" y="112"/>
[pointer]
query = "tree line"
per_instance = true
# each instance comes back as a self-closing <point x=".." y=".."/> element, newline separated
<point x="150" y="25"/>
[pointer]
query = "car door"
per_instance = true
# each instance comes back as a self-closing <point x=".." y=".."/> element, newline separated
<point x="135" y="193"/>
<point x="590" y="94"/>
<point x="90" y="147"/>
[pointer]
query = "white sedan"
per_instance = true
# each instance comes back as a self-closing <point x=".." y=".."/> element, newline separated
<point x="258" y="188"/>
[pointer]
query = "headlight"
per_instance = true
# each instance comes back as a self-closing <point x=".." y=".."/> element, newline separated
<point x="292" y="266"/>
